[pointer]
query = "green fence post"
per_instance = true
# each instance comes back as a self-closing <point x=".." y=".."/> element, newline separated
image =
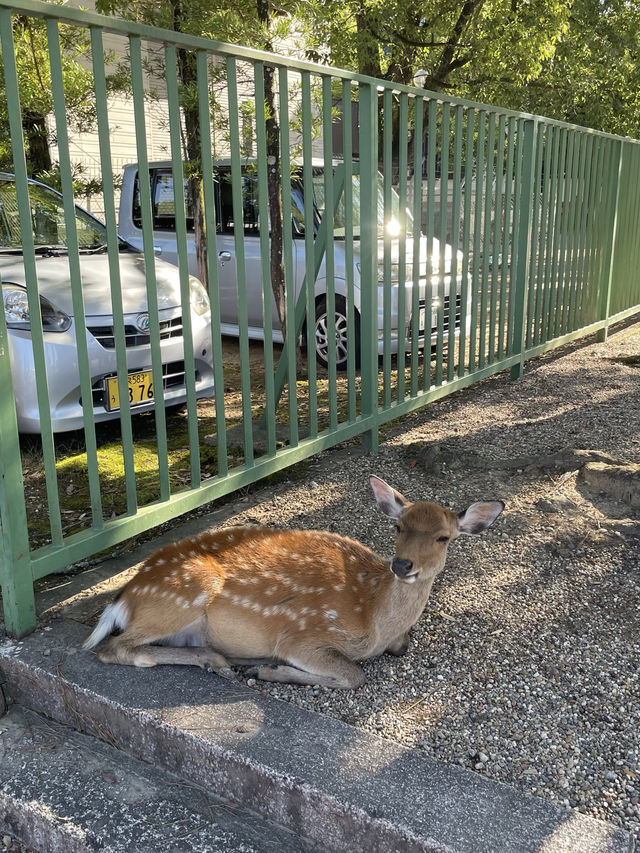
<point x="605" y="296"/>
<point x="368" y="103"/>
<point x="16" y="580"/>
<point x="523" y="237"/>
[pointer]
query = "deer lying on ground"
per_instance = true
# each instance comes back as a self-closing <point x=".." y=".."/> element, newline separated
<point x="298" y="606"/>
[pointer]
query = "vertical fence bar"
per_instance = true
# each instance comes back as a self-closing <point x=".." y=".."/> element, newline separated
<point x="208" y="194"/>
<point x="347" y="147"/>
<point x="403" y="154"/>
<point x="175" y="131"/>
<point x="310" y="279"/>
<point x="561" y="178"/>
<point x="327" y="155"/>
<point x="431" y="146"/>
<point x="618" y="148"/>
<point x="507" y="245"/>
<point x="576" y="230"/>
<point x="238" y="220"/>
<point x="113" y="247"/>
<point x="497" y="233"/>
<point x="525" y="198"/>
<point x="418" y="137"/>
<point x="137" y="82"/>
<point x="567" y="205"/>
<point x="265" y="266"/>
<point x="455" y="242"/>
<point x="287" y="246"/>
<point x="466" y="238"/>
<point x="16" y="580"/>
<point x="445" y="125"/>
<point x="29" y="261"/>
<point x="535" y="238"/>
<point x="477" y="237"/>
<point x="554" y="179"/>
<point x="586" y="207"/>
<point x="488" y="205"/>
<point x="368" y="259"/>
<point x="387" y="139"/>
<point x="541" y="280"/>
<point x="73" y="251"/>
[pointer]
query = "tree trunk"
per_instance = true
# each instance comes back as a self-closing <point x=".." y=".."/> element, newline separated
<point x="273" y="179"/>
<point x="187" y="73"/>
<point x="37" y="153"/>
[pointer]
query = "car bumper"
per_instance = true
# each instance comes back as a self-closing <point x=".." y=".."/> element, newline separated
<point x="437" y="307"/>
<point x="63" y="379"/>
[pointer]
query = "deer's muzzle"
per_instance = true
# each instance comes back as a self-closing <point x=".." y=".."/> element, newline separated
<point x="401" y="568"/>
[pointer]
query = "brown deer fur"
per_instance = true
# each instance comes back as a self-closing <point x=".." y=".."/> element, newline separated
<point x="300" y="606"/>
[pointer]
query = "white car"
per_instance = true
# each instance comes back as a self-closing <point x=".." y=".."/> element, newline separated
<point x="54" y="288"/>
<point x="433" y="288"/>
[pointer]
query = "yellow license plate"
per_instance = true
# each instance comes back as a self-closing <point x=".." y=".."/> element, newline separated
<point x="140" y="390"/>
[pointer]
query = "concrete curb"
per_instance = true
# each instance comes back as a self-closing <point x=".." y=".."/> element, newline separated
<point x="336" y="785"/>
<point x="64" y="791"/>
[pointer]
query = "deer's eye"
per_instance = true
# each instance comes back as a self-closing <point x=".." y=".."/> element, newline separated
<point x="443" y="539"/>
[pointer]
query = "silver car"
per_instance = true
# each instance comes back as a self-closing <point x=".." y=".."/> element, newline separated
<point x="54" y="287"/>
<point x="434" y="288"/>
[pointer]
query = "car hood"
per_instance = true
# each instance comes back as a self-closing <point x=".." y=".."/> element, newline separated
<point x="423" y="254"/>
<point x="54" y="281"/>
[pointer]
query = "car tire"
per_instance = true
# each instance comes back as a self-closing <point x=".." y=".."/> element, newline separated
<point x="322" y="336"/>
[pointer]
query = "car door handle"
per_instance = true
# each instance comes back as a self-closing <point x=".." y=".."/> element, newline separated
<point x="224" y="256"/>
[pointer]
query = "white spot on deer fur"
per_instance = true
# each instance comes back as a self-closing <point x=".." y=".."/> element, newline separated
<point x="163" y="594"/>
<point x="358" y="609"/>
<point x="331" y="614"/>
<point x="361" y="576"/>
<point x="201" y="599"/>
<point x="186" y="576"/>
<point x="353" y="558"/>
<point x="174" y="573"/>
<point x="339" y="587"/>
<point x="160" y="562"/>
<point x="178" y="599"/>
<point x="354" y="588"/>
<point x="185" y="605"/>
<point x="256" y="607"/>
<point x="302" y="624"/>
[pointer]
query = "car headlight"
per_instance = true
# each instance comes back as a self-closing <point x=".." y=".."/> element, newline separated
<point x="199" y="296"/>
<point x="16" y="311"/>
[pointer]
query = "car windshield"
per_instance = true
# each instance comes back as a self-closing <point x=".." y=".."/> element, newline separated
<point x="47" y="220"/>
<point x="389" y="221"/>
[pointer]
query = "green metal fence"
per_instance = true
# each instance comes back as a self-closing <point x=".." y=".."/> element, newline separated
<point x="482" y="237"/>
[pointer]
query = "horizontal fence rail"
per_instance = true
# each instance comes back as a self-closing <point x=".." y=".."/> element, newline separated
<point x="427" y="243"/>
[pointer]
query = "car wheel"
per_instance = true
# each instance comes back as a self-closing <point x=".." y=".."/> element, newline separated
<point x="325" y="335"/>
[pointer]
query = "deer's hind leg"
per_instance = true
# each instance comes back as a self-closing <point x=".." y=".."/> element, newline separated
<point x="325" y="667"/>
<point x="129" y="651"/>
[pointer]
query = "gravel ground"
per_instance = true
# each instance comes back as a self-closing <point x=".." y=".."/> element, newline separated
<point x="524" y="665"/>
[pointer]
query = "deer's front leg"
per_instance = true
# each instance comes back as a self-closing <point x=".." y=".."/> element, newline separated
<point x="399" y="647"/>
<point x="325" y="667"/>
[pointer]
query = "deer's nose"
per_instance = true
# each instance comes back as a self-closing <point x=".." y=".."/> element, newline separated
<point x="401" y="567"/>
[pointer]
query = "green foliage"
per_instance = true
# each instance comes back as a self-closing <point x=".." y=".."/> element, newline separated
<point x="593" y="77"/>
<point x="36" y="96"/>
<point x="577" y="61"/>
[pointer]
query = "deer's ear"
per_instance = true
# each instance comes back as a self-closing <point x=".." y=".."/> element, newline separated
<point x="391" y="503"/>
<point x="478" y="516"/>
